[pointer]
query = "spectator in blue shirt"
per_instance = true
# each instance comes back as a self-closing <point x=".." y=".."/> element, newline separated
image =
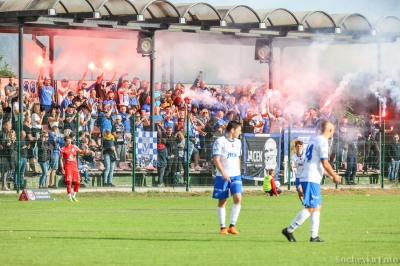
<point x="168" y="118"/>
<point x="126" y="119"/>
<point x="67" y="101"/>
<point x="110" y="101"/>
<point x="47" y="96"/>
<point x="105" y="118"/>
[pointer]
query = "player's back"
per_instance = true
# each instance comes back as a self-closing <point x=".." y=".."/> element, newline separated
<point x="313" y="170"/>
<point x="229" y="152"/>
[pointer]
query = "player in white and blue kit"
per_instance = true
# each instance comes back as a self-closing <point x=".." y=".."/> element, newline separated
<point x="310" y="178"/>
<point x="226" y="153"/>
<point x="297" y="161"/>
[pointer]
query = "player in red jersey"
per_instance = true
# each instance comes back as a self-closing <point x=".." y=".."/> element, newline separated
<point x="70" y="168"/>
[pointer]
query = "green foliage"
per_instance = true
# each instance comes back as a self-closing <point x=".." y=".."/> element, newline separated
<point x="5" y="68"/>
<point x="160" y="230"/>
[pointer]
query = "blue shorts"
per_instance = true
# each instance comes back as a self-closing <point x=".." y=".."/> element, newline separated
<point x="54" y="160"/>
<point x="222" y="187"/>
<point x="312" y="194"/>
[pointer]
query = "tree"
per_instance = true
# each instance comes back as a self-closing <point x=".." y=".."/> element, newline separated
<point x="5" y="68"/>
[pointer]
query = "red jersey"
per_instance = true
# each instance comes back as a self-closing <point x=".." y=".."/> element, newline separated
<point x="69" y="155"/>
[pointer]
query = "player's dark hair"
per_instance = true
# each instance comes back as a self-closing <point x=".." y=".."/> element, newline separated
<point x="298" y="142"/>
<point x="232" y="125"/>
<point x="67" y="137"/>
<point x="271" y="171"/>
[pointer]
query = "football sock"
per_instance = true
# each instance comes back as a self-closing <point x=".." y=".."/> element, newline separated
<point x="221" y="216"/>
<point x="73" y="194"/>
<point x="298" y="220"/>
<point x="235" y="213"/>
<point x="69" y="196"/>
<point x="314" y="223"/>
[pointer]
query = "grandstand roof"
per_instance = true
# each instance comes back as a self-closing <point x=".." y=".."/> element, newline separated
<point x="196" y="17"/>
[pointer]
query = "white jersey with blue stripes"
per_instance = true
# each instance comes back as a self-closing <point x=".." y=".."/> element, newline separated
<point x="298" y="163"/>
<point x="229" y="152"/>
<point x="313" y="170"/>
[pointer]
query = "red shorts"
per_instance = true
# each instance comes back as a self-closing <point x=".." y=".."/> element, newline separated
<point x="71" y="174"/>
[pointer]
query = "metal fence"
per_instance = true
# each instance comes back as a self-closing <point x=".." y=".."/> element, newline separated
<point x="355" y="153"/>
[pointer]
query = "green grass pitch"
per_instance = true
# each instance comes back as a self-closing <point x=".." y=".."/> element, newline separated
<point x="171" y="229"/>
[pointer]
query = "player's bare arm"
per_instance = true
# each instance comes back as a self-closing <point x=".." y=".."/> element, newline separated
<point x="329" y="171"/>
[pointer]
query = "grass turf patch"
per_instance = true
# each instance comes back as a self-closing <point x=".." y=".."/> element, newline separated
<point x="158" y="228"/>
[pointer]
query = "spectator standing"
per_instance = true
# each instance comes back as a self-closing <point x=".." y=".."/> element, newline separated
<point x="143" y="92"/>
<point x="172" y="146"/>
<point x="105" y="118"/>
<point x="94" y="105"/>
<point x="11" y="145"/>
<point x="85" y="116"/>
<point x="126" y="120"/>
<point x="37" y="121"/>
<point x="69" y="119"/>
<point x="394" y="155"/>
<point x="111" y="101"/>
<point x="10" y="90"/>
<point x="277" y="122"/>
<point x="124" y="92"/>
<point x="109" y="158"/>
<point x="100" y="88"/>
<point x="46" y="93"/>
<point x="44" y="156"/>
<point x="63" y="90"/>
<point x="231" y="106"/>
<point x="118" y="131"/>
<point x="352" y="152"/>
<point x="54" y="118"/>
<point x="31" y="140"/>
<point x="56" y="143"/>
<point x="22" y="162"/>
<point x="372" y="128"/>
<point x="162" y="158"/>
<point x="66" y="101"/>
<point x="312" y="120"/>
<point x="5" y="162"/>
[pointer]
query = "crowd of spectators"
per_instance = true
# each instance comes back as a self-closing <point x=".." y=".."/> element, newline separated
<point x="104" y="118"/>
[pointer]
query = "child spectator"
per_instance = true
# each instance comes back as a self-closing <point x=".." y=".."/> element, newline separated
<point x="162" y="157"/>
<point x="269" y="184"/>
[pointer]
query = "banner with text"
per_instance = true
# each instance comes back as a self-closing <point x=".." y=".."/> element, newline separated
<point x="261" y="152"/>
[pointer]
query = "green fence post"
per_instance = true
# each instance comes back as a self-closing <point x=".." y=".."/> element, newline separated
<point x="77" y="130"/>
<point x="289" y="159"/>
<point x="187" y="155"/>
<point x="19" y="152"/>
<point x="383" y="155"/>
<point x="134" y="152"/>
<point x="337" y="151"/>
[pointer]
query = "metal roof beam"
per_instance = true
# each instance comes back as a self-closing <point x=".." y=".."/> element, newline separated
<point x="28" y="13"/>
<point x="165" y="20"/>
<point x="125" y="18"/>
<point x="81" y="15"/>
<point x="207" y="23"/>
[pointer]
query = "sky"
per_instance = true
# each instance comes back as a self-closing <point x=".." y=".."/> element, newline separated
<point x="365" y="7"/>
